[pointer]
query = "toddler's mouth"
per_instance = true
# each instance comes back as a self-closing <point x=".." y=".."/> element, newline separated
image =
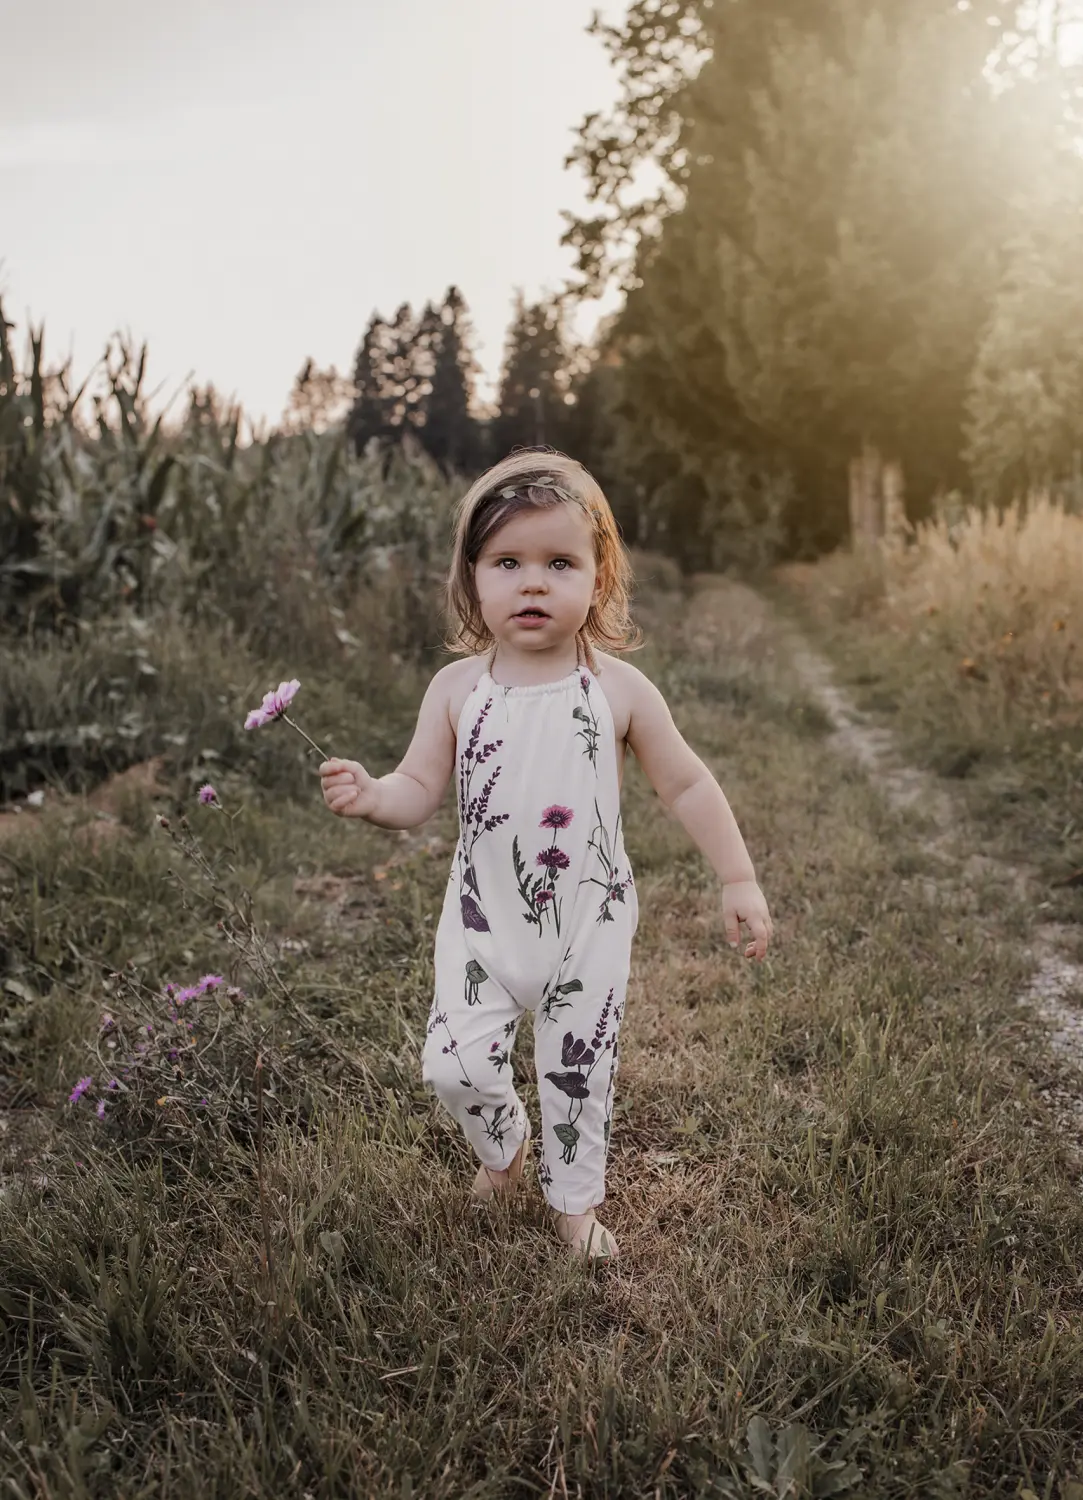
<point x="531" y="614"/>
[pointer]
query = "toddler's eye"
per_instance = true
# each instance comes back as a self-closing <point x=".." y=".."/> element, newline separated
<point x="510" y="560"/>
<point x="562" y="563"/>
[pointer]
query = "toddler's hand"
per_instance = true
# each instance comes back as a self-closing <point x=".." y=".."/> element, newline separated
<point x="348" y="789"/>
<point x="744" y="902"/>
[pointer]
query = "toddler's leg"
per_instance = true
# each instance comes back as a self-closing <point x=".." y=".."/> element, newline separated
<point x="575" y="1050"/>
<point x="467" y="1054"/>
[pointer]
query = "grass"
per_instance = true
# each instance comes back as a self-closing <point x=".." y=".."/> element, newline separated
<point x="849" y="1233"/>
<point x="967" y="644"/>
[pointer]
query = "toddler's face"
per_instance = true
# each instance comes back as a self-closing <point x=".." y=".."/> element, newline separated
<point x="536" y="578"/>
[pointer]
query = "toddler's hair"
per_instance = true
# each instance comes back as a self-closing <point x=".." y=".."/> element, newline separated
<point x="534" y="479"/>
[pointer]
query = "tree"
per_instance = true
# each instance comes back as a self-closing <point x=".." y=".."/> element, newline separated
<point x="450" y="430"/>
<point x="837" y="181"/>
<point x="534" y="387"/>
<point x="368" y="417"/>
<point x="319" y="399"/>
<point x="1024" y="425"/>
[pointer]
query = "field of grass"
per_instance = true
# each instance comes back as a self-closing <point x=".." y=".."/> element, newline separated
<point x="850" y="1235"/>
<point x="967" y="642"/>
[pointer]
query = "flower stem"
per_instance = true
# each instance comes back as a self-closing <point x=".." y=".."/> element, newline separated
<point x="301" y="732"/>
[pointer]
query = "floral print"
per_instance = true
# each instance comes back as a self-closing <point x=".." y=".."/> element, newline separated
<point x="606" y="848"/>
<point x="584" y="713"/>
<point x="475" y="977"/>
<point x="475" y="818"/>
<point x="539" y="893"/>
<point x="540" y="843"/>
<point x="575" y="1055"/>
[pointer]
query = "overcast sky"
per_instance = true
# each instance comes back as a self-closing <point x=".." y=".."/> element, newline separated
<point x="241" y="183"/>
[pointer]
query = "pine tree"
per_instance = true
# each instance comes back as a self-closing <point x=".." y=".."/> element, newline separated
<point x="450" y="431"/>
<point x="368" y="417"/>
<point x="535" y="383"/>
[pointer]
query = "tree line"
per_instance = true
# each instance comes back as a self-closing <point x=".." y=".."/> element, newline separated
<point x="863" y="239"/>
<point x="415" y="373"/>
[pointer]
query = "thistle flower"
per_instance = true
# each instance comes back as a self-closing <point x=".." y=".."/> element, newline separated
<point x="80" y="1089"/>
<point x="553" y="859"/>
<point x="100" y="1110"/>
<point x="208" y="796"/>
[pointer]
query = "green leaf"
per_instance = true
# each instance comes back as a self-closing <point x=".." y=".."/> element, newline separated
<point x="566" y="1134"/>
<point x="844" y="1478"/>
<point x="761" y="1447"/>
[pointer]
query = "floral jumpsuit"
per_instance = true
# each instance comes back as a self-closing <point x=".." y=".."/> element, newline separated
<point x="539" y="915"/>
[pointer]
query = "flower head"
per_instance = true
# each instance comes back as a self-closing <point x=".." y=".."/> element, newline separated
<point x="80" y="1089"/>
<point x="274" y="704"/>
<point x="556" y="817"/>
<point x="553" y="859"/>
<point x="100" y="1110"/>
<point x="208" y="796"/>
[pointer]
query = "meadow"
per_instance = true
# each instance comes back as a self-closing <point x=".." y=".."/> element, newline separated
<point x="849" y="1226"/>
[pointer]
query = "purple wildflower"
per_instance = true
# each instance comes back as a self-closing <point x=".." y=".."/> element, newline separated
<point x="556" y="817"/>
<point x="553" y="859"/>
<point x="80" y="1089"/>
<point x="209" y="982"/>
<point x="208" y="796"/>
<point x="274" y="705"/>
<point x="100" y="1110"/>
<point x="107" y="1021"/>
<point x="113" y="1083"/>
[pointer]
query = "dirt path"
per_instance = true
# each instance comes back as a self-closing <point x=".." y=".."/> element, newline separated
<point x="1055" y="991"/>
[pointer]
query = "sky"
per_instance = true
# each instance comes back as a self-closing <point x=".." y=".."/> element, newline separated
<point x="242" y="184"/>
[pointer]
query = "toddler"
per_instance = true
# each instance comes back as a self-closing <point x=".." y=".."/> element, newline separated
<point x="533" y="722"/>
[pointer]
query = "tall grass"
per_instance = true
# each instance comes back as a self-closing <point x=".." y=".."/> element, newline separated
<point x="968" y="632"/>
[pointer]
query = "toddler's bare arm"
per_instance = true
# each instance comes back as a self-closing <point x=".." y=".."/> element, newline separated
<point x="409" y="795"/>
<point x="688" y="789"/>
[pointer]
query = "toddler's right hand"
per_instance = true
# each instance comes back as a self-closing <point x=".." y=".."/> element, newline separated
<point x="348" y="789"/>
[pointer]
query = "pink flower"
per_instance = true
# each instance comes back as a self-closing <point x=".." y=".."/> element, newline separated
<point x="80" y="1089"/>
<point x="208" y="796"/>
<point x="553" y="859"/>
<point x="100" y="1111"/>
<point x="542" y="897"/>
<point x="209" y="982"/>
<point x="274" y="705"/>
<point x="556" y="817"/>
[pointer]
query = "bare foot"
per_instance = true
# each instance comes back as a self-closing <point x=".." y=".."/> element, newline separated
<point x="489" y="1183"/>
<point x="583" y="1233"/>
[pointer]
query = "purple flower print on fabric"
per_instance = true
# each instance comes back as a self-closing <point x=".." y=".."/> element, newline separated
<point x="539" y="893"/>
<point x="475" y="818"/>
<point x="577" y="1054"/>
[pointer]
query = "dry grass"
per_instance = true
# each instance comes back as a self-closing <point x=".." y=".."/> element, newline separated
<point x="969" y="638"/>
<point x="849" y="1239"/>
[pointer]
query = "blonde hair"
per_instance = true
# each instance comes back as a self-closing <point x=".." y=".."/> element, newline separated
<point x="535" y="479"/>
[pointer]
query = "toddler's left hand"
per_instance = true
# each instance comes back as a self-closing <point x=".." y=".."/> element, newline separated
<point x="745" y="902"/>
